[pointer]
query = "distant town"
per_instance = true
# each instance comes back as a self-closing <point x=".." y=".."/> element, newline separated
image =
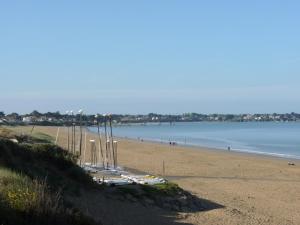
<point x="57" y="118"/>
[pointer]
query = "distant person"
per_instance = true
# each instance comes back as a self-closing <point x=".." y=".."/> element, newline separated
<point x="228" y="148"/>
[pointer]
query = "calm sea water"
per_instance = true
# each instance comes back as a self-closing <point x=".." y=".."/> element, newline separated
<point x="271" y="138"/>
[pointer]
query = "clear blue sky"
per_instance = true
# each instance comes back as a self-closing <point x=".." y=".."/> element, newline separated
<point x="150" y="56"/>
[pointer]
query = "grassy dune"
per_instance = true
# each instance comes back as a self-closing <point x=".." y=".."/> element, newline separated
<point x="36" y="179"/>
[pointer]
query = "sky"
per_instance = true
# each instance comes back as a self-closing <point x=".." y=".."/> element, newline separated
<point x="158" y="56"/>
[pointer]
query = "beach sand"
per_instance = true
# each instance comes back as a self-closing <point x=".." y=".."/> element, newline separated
<point x="252" y="189"/>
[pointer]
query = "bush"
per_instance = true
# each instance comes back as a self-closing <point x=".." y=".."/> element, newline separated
<point x="35" y="180"/>
<point x="166" y="189"/>
<point x="44" y="160"/>
<point x="26" y="201"/>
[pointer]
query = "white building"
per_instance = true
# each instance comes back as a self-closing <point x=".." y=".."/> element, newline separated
<point x="27" y="119"/>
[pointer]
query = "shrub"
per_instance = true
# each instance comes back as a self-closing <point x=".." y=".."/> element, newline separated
<point x="167" y="189"/>
<point x="26" y="201"/>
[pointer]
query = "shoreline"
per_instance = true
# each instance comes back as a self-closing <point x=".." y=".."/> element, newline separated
<point x="216" y="150"/>
<point x="206" y="148"/>
<point x="254" y="189"/>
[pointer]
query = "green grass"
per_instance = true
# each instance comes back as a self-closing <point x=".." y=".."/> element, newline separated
<point x="36" y="137"/>
<point x="42" y="138"/>
<point x="30" y="202"/>
<point x="130" y="189"/>
<point x="36" y="178"/>
<point x="166" y="189"/>
<point x="155" y="192"/>
<point x="17" y="191"/>
<point x="44" y="160"/>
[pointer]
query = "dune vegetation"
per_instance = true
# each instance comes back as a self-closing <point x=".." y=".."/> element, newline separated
<point x="36" y="178"/>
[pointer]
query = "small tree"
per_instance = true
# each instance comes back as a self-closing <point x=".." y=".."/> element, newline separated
<point x="13" y="116"/>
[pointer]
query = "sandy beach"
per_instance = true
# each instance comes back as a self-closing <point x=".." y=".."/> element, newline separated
<point x="252" y="189"/>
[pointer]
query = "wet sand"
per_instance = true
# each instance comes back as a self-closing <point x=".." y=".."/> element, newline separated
<point x="253" y="189"/>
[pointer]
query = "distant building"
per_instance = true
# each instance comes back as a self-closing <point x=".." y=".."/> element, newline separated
<point x="27" y="119"/>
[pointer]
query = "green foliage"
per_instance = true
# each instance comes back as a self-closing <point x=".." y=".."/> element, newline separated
<point x="155" y="192"/>
<point x="16" y="190"/>
<point x="42" y="138"/>
<point x="30" y="202"/>
<point x="35" y="179"/>
<point x="130" y="189"/>
<point x="166" y="189"/>
<point x="36" y="137"/>
<point x="44" y="160"/>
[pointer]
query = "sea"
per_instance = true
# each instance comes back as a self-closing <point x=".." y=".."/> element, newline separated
<point x="281" y="139"/>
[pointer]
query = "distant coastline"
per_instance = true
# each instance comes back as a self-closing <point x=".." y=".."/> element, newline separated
<point x="59" y="119"/>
